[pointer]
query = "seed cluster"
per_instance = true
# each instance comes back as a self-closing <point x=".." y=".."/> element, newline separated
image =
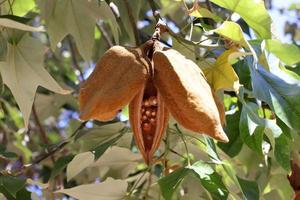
<point x="149" y="111"/>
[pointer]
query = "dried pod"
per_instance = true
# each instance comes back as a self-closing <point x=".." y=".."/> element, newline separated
<point x="172" y="84"/>
<point x="186" y="93"/>
<point x="119" y="75"/>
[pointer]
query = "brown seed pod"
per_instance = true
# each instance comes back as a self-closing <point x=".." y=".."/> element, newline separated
<point x="119" y="75"/>
<point x="174" y="83"/>
<point x="186" y="93"/>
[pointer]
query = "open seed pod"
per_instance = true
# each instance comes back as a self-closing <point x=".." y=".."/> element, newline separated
<point x="153" y="81"/>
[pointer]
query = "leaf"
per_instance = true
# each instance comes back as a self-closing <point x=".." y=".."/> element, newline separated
<point x="252" y="127"/>
<point x="21" y="7"/>
<point x="43" y="101"/>
<point x="23" y="72"/>
<point x="250" y="189"/>
<point x="235" y="144"/>
<point x="9" y="23"/>
<point x="287" y="53"/>
<point x="221" y="75"/>
<point x="170" y="183"/>
<point x="60" y="164"/>
<point x="110" y="189"/>
<point x="12" y="184"/>
<point x="91" y="138"/>
<point x="200" y="12"/>
<point x="99" y="150"/>
<point x="232" y="31"/>
<point x="282" y="152"/>
<point x="253" y="12"/>
<point x="77" y="18"/>
<point x="210" y="180"/>
<point x="136" y="6"/>
<point x="119" y="161"/>
<point x="282" y="94"/>
<point x="79" y="163"/>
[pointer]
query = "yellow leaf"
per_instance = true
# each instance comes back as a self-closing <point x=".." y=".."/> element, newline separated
<point x="221" y="75"/>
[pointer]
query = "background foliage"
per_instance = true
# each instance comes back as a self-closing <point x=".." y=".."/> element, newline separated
<point x="47" y="153"/>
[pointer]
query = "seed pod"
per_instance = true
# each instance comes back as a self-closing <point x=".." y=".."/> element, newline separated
<point x="186" y="93"/>
<point x="117" y="78"/>
<point x="148" y="142"/>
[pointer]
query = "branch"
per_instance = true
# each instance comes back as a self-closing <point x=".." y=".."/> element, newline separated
<point x="132" y="22"/>
<point x="41" y="130"/>
<point x="44" y="156"/>
<point x="176" y="36"/>
<point x="73" y="57"/>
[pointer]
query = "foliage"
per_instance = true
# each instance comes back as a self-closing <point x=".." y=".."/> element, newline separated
<point x="46" y="152"/>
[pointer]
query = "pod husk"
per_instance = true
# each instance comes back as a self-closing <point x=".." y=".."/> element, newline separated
<point x="186" y="93"/>
<point x="117" y="78"/>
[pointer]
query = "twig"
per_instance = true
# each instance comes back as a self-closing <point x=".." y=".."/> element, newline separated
<point x="132" y="22"/>
<point x="73" y="57"/>
<point x="208" y="5"/>
<point x="185" y="145"/>
<point x="104" y="34"/>
<point x="176" y="36"/>
<point x="59" y="147"/>
<point x="42" y="131"/>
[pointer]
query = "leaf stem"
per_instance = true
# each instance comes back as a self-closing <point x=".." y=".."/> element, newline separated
<point x="185" y="145"/>
<point x="132" y="22"/>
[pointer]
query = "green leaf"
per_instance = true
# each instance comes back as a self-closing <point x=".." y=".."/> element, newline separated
<point x="235" y="144"/>
<point x="250" y="189"/>
<point x="60" y="165"/>
<point x="233" y="31"/>
<point x="12" y="184"/>
<point x="282" y="94"/>
<point x="210" y="180"/>
<point x="9" y="154"/>
<point x="23" y="72"/>
<point x="77" y="18"/>
<point x="170" y="183"/>
<point x="282" y="152"/>
<point x="21" y="7"/>
<point x="110" y="189"/>
<point x="287" y="53"/>
<point x="99" y="150"/>
<point x="253" y="12"/>
<point x="252" y="127"/>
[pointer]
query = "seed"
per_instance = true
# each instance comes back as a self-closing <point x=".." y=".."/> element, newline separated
<point x="146" y="126"/>
<point x="144" y="118"/>
<point x="152" y="121"/>
<point x="153" y="113"/>
<point x="143" y="109"/>
<point x="148" y="113"/>
<point x="153" y="101"/>
<point x="146" y="103"/>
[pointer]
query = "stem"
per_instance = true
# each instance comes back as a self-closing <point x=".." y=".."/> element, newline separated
<point x="58" y="147"/>
<point x="42" y="131"/>
<point x="132" y="22"/>
<point x="105" y="34"/>
<point x="73" y="57"/>
<point x="208" y="5"/>
<point x="185" y="145"/>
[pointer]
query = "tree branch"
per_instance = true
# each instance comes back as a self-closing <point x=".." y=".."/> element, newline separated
<point x="42" y="131"/>
<point x="133" y="23"/>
